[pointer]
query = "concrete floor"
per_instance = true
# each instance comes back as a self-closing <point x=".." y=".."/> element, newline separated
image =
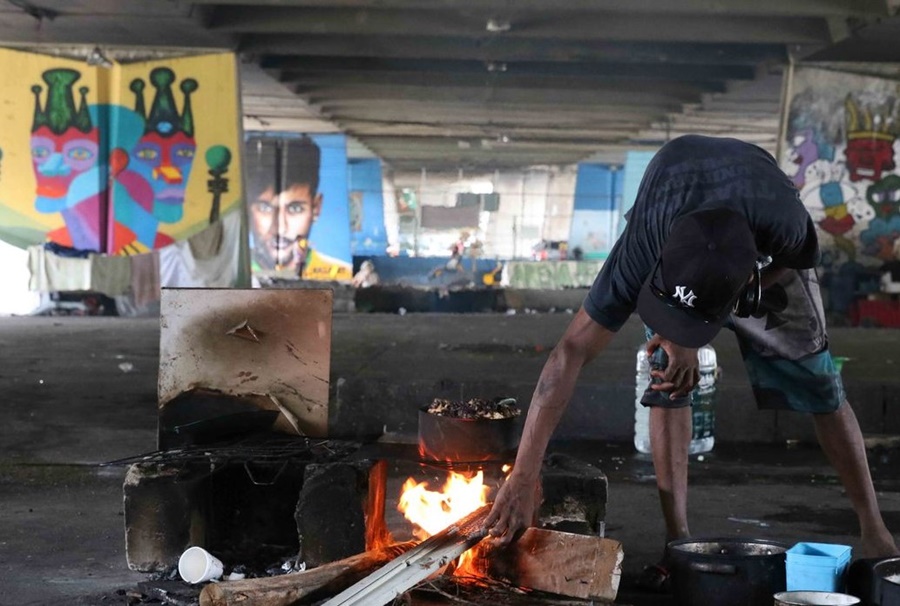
<point x="77" y="392"/>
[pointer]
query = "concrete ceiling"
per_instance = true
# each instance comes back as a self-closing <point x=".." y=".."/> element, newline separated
<point x="492" y="84"/>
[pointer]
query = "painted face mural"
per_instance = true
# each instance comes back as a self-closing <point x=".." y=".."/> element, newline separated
<point x="869" y="158"/>
<point x="870" y="142"/>
<point x="164" y="155"/>
<point x="282" y="215"/>
<point x="802" y="153"/>
<point x="281" y="222"/>
<point x="65" y="157"/>
<point x="884" y="197"/>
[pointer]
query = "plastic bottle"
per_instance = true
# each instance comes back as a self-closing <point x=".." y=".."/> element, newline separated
<point x="703" y="399"/>
<point x="641" y="412"/>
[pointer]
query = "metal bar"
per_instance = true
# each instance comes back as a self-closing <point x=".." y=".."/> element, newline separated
<point x="271" y="449"/>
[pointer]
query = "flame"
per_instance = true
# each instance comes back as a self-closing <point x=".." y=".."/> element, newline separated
<point x="432" y="511"/>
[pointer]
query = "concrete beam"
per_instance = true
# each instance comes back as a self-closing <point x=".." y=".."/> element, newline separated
<point x="113" y="30"/>
<point x="798" y="8"/>
<point x="463" y="131"/>
<point x="496" y="81"/>
<point x="107" y="7"/>
<point x="491" y="113"/>
<point x="486" y="160"/>
<point x="289" y="67"/>
<point x="493" y="48"/>
<point x="346" y="96"/>
<point x="876" y="43"/>
<point x="535" y="25"/>
<point x="281" y="123"/>
<point x="400" y="146"/>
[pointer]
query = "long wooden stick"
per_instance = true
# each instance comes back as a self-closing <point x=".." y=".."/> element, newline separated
<point x="287" y="589"/>
<point x="416" y="565"/>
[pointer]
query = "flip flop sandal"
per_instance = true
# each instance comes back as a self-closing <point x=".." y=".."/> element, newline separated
<point x="655" y="578"/>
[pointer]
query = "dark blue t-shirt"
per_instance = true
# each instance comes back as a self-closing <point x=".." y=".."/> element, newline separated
<point x="691" y="173"/>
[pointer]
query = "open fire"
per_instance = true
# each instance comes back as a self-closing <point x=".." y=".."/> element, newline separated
<point x="432" y="511"/>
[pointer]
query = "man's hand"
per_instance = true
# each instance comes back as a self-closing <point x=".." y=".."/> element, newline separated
<point x="514" y="509"/>
<point x="682" y="373"/>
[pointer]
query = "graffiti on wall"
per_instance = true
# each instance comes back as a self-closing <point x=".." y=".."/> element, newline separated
<point x="553" y="275"/>
<point x="841" y="152"/>
<point x="112" y="154"/>
<point x="297" y="206"/>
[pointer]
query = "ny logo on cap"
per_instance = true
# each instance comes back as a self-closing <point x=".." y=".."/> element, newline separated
<point x="686" y="299"/>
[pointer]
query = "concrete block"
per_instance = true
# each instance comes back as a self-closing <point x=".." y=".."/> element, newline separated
<point x="574" y="495"/>
<point x="164" y="514"/>
<point x="330" y="514"/>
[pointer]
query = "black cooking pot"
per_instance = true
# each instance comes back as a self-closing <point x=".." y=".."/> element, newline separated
<point x="727" y="571"/>
<point x="455" y="440"/>
<point x="887" y="582"/>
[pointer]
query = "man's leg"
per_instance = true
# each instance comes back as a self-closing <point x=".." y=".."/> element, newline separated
<point x="670" y="436"/>
<point x="840" y="437"/>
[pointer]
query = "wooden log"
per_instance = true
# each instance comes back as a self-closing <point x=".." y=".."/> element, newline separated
<point x="287" y="589"/>
<point x="572" y="565"/>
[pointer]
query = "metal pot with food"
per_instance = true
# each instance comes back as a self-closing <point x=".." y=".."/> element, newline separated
<point x="468" y="431"/>
<point x="887" y="582"/>
<point x="727" y="571"/>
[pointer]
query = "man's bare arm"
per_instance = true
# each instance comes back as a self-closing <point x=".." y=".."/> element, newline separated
<point x="580" y="344"/>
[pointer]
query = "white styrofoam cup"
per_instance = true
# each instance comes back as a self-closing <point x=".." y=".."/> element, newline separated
<point x="197" y="565"/>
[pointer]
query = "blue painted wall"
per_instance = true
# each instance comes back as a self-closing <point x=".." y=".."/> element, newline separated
<point x="595" y="217"/>
<point x="367" y="232"/>
<point x="635" y="166"/>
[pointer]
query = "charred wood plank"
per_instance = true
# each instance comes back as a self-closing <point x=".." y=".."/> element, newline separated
<point x="287" y="589"/>
<point x="561" y="563"/>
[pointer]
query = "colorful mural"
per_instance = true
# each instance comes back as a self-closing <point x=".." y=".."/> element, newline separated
<point x="840" y="150"/>
<point x="112" y="150"/>
<point x="297" y="204"/>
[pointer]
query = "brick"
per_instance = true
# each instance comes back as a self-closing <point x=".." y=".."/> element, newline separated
<point x="331" y="512"/>
<point x="164" y="514"/>
<point x="575" y="495"/>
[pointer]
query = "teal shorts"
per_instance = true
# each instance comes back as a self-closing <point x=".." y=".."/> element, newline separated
<point x="785" y="351"/>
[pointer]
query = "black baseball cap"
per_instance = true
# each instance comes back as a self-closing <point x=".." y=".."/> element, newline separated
<point x="704" y="266"/>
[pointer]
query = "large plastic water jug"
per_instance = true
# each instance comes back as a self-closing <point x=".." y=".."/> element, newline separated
<point x="703" y="399"/>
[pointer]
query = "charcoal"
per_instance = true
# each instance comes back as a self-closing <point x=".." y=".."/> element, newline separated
<point x="475" y="408"/>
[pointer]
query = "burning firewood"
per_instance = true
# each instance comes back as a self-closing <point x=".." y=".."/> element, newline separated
<point x="404" y="573"/>
<point x="325" y="580"/>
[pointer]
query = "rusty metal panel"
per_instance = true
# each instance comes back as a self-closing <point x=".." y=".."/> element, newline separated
<point x="250" y="341"/>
